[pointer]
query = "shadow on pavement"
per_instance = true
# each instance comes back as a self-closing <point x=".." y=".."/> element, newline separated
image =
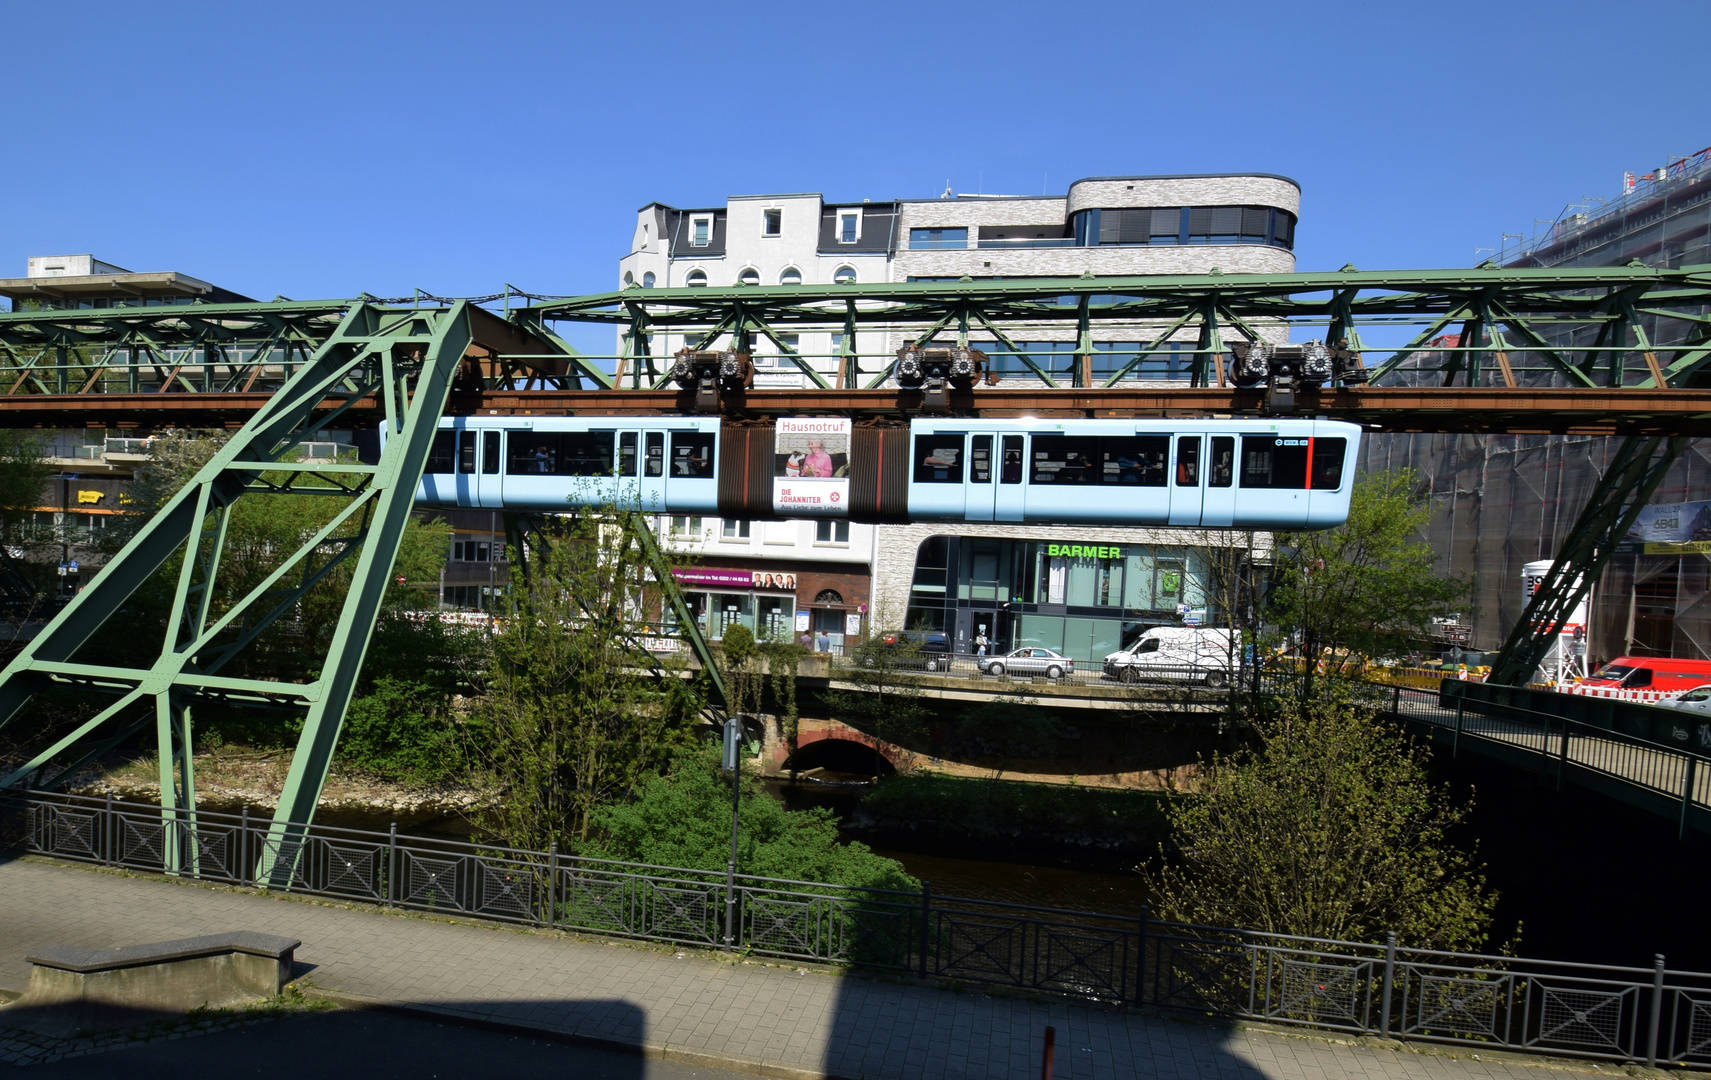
<point x="885" y="1030"/>
<point x="372" y="1045"/>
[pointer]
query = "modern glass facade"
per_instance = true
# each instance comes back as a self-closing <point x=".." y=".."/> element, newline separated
<point x="1083" y="598"/>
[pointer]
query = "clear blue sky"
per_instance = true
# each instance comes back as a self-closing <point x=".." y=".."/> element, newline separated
<point x="321" y="149"/>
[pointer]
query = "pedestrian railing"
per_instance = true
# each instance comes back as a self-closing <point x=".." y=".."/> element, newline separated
<point x="1617" y="1013"/>
<point x="1666" y="778"/>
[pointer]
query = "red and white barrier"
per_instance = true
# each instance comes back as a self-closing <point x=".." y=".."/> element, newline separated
<point x="1647" y="696"/>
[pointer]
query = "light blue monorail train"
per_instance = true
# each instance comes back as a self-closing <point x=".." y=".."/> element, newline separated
<point x="1266" y="474"/>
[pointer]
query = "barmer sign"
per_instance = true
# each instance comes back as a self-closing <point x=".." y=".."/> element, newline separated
<point x="1084" y="551"/>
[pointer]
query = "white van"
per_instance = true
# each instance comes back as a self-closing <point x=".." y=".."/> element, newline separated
<point x="1176" y="654"/>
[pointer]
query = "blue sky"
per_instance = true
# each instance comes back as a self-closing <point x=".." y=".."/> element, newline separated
<point x="317" y="150"/>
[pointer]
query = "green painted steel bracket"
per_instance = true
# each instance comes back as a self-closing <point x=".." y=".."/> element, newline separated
<point x="686" y="622"/>
<point x="1636" y="471"/>
<point x="404" y="358"/>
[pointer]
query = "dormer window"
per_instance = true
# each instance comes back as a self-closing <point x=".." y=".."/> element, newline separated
<point x="849" y="226"/>
<point x="772" y="223"/>
<point x="700" y="231"/>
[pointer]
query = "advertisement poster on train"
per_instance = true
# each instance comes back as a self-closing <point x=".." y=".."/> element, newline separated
<point x="811" y="470"/>
<point x="1671" y="529"/>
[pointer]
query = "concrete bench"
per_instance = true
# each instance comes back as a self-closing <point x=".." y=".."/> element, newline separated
<point x="72" y="988"/>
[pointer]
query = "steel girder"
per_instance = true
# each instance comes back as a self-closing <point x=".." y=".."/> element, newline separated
<point x="406" y="359"/>
<point x="1634" y="473"/>
<point x="1518" y="326"/>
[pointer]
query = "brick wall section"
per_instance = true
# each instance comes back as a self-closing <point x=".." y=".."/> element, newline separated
<point x="977" y="212"/>
<point x="1100" y="261"/>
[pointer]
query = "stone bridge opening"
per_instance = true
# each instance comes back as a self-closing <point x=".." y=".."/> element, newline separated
<point x="836" y="756"/>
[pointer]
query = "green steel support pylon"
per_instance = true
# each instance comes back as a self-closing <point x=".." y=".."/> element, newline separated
<point x="1636" y="471"/>
<point x="406" y="360"/>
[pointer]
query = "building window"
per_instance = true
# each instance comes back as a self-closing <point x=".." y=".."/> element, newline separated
<point x="1185" y="225"/>
<point x="701" y="231"/>
<point x="648" y="280"/>
<point x="938" y="239"/>
<point x="844" y="275"/>
<point x="629" y="280"/>
<point x="829" y="596"/>
<point x="735" y="530"/>
<point x="772" y="223"/>
<point x="697" y="279"/>
<point x="791" y="276"/>
<point x="470" y="551"/>
<point x="849" y="227"/>
<point x="749" y="276"/>
<point x="685" y="526"/>
<point x="832" y="532"/>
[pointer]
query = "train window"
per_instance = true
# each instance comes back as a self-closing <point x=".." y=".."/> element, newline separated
<point x="466" y="451"/>
<point x="442" y="452"/>
<point x="562" y="453"/>
<point x="627" y="453"/>
<point x="1188" y="461"/>
<point x="1076" y="460"/>
<point x="490" y="452"/>
<point x="1223" y="464"/>
<point x="1010" y="470"/>
<point x="1328" y="463"/>
<point x="938" y="459"/>
<point x="1063" y="459"/>
<point x="654" y="463"/>
<point x="1138" y="460"/>
<point x="691" y="455"/>
<point x="980" y="459"/>
<point x="1272" y="462"/>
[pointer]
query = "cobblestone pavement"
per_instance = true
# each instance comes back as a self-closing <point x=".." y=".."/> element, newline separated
<point x="686" y="1005"/>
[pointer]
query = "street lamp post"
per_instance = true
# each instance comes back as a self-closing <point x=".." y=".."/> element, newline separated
<point x="733" y="764"/>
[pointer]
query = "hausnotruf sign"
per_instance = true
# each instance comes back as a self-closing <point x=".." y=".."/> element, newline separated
<point x="811" y="471"/>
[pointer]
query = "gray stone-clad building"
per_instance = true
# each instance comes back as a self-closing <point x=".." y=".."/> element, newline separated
<point x="1082" y="590"/>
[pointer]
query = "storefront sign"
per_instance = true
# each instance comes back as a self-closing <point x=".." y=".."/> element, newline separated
<point x="1084" y="551"/>
<point x="811" y="466"/>
<point x="735" y="579"/>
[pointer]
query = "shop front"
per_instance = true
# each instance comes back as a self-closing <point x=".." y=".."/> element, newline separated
<point x="1083" y="598"/>
<point x="762" y="600"/>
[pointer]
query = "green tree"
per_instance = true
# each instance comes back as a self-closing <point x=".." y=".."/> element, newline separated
<point x="881" y="694"/>
<point x="1328" y="827"/>
<point x="1367" y="587"/>
<point x="570" y="719"/>
<point x="683" y="818"/>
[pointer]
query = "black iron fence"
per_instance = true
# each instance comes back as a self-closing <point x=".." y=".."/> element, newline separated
<point x="1618" y="1013"/>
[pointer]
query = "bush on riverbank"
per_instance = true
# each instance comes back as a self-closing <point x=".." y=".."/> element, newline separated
<point x="683" y="818"/>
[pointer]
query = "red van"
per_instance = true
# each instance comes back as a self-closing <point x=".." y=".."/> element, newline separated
<point x="1651" y="673"/>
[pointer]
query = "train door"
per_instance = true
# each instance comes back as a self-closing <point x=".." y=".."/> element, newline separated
<point x="1186" y="480"/>
<point x="1012" y="468"/>
<point x="981" y="481"/>
<point x="1218" y="494"/>
<point x="650" y="485"/>
<point x="488" y="480"/>
<point x="465" y="461"/>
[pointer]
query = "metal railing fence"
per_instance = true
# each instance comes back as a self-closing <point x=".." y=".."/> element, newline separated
<point x="1559" y="746"/>
<point x="1600" y="1011"/>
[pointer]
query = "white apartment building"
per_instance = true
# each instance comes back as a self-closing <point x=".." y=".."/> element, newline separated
<point x="1020" y="585"/>
<point x="1104" y="226"/>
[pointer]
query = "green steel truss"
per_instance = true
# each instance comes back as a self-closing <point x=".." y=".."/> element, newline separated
<point x="1513" y="328"/>
<point x="405" y="358"/>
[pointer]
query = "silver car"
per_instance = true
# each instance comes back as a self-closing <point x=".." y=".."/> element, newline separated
<point x="1030" y="661"/>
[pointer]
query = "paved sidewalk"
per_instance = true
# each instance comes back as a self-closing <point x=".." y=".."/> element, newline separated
<point x="744" y="1014"/>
